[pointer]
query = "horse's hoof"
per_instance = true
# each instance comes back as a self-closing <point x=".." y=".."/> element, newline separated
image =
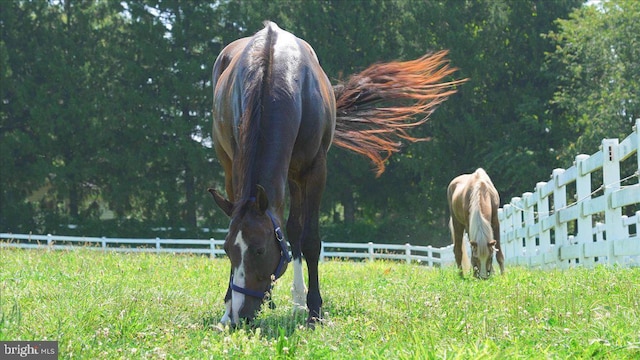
<point x="312" y="321"/>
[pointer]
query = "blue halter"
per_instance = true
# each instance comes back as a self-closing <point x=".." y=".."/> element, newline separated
<point x="285" y="258"/>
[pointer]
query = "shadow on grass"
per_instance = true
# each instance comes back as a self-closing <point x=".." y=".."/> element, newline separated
<point x="272" y="325"/>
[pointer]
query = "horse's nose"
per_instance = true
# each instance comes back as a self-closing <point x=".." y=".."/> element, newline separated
<point x="480" y="275"/>
<point x="248" y="313"/>
<point x="246" y="317"/>
<point x="484" y="276"/>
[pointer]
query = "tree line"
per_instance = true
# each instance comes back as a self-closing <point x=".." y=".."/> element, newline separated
<point x="105" y="121"/>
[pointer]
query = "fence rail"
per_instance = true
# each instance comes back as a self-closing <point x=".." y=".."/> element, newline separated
<point x="426" y="255"/>
<point x="563" y="223"/>
<point x="577" y="217"/>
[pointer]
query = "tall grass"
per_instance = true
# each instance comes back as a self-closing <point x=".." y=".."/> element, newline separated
<point x="139" y="306"/>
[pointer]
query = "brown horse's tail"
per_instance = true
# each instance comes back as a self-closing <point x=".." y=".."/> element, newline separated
<point x="376" y="107"/>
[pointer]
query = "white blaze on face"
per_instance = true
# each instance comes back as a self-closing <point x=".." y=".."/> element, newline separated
<point x="483" y="268"/>
<point x="484" y="257"/>
<point x="237" y="299"/>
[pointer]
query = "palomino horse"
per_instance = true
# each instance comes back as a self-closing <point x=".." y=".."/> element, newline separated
<point x="473" y="204"/>
<point x="274" y="113"/>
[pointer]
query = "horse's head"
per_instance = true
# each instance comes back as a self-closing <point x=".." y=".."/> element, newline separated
<point x="258" y="253"/>
<point x="482" y="259"/>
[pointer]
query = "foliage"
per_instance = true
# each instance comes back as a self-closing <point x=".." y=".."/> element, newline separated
<point x="113" y="118"/>
<point x="111" y="305"/>
<point x="597" y="49"/>
<point x="105" y="105"/>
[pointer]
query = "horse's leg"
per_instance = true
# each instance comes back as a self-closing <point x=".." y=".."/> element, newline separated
<point x="226" y="165"/>
<point x="312" y="188"/>
<point x="495" y="225"/>
<point x="457" y="232"/>
<point x="294" y="231"/>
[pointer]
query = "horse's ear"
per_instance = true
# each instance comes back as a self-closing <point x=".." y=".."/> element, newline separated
<point x="224" y="204"/>
<point x="262" y="202"/>
<point x="492" y="245"/>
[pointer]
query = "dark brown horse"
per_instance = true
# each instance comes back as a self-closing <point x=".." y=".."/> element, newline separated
<point x="473" y="205"/>
<point x="275" y="116"/>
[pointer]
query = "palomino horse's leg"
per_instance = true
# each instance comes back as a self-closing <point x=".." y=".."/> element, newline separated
<point x="457" y="232"/>
<point x="294" y="231"/>
<point x="495" y="225"/>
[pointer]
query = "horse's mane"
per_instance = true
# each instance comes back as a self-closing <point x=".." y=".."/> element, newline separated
<point x="255" y="78"/>
<point x="479" y="227"/>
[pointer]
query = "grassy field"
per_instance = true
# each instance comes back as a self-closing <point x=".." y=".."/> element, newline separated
<point x="139" y="306"/>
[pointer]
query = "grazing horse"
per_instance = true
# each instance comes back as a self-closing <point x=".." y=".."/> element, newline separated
<point x="473" y="205"/>
<point x="275" y="116"/>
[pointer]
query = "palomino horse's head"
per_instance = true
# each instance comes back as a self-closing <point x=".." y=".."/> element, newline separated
<point x="482" y="259"/>
<point x="258" y="253"/>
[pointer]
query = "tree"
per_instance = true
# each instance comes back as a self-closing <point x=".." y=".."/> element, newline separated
<point x="178" y="42"/>
<point x="51" y="92"/>
<point x="22" y="166"/>
<point x="597" y="50"/>
<point x="114" y="109"/>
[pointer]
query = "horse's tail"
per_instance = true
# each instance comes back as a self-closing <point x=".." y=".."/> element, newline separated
<point x="377" y="106"/>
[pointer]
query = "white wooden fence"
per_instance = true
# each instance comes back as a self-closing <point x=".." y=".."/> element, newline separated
<point x="426" y="255"/>
<point x="574" y="219"/>
<point x="577" y="217"/>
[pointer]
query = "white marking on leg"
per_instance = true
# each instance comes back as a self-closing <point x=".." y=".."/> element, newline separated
<point x="299" y="289"/>
<point x="226" y="318"/>
<point x="466" y="250"/>
<point x="237" y="299"/>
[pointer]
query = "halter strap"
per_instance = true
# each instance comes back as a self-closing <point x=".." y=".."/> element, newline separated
<point x="285" y="258"/>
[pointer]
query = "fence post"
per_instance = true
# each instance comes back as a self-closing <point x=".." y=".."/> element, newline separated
<point x="506" y="232"/>
<point x="157" y="245"/>
<point x="529" y="232"/>
<point x="503" y="231"/>
<point x="49" y="240"/>
<point x="560" y="228"/>
<point x="212" y="247"/>
<point x="371" y="252"/>
<point x="636" y="258"/>
<point x="636" y="133"/>
<point x="611" y="181"/>
<point x="407" y="251"/>
<point x="543" y="213"/>
<point x="104" y="243"/>
<point x="584" y="232"/>
<point x="516" y="221"/>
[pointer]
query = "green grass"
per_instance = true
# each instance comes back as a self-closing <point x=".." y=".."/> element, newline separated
<point x="139" y="306"/>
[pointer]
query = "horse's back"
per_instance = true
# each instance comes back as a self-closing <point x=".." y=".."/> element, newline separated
<point x="485" y="185"/>
<point x="457" y="197"/>
<point x="460" y="192"/>
<point x="297" y="96"/>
